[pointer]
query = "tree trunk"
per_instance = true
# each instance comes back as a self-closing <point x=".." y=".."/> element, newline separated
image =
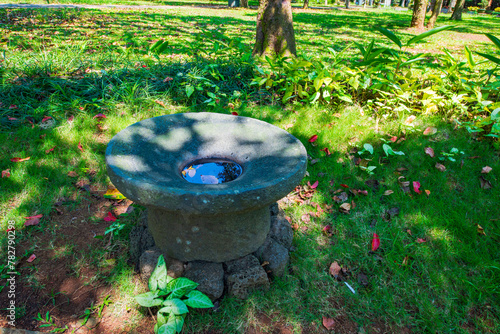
<point x="452" y="4"/>
<point x="431" y="7"/>
<point x="244" y="3"/>
<point x="418" y="18"/>
<point x="306" y="4"/>
<point x="275" y="35"/>
<point x="347" y="4"/>
<point x="457" y="13"/>
<point x="489" y="4"/>
<point x="435" y="12"/>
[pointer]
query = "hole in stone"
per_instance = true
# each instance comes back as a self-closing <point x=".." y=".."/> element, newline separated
<point x="211" y="171"/>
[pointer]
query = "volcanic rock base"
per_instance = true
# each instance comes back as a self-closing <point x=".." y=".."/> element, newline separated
<point x="237" y="278"/>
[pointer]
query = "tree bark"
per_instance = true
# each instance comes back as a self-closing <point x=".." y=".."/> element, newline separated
<point x="244" y="3"/>
<point x="347" y="4"/>
<point x="452" y="4"/>
<point x="431" y="6"/>
<point x="275" y="35"/>
<point x="306" y="4"/>
<point x="457" y="13"/>
<point x="418" y="18"/>
<point x="435" y="12"/>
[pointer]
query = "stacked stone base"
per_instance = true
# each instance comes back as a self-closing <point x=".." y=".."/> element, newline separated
<point x="236" y="278"/>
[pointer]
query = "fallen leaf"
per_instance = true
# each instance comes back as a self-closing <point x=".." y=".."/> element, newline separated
<point x="50" y="150"/>
<point x="408" y="231"/>
<point x="430" y="131"/>
<point x="363" y="192"/>
<point x="13" y="106"/>
<point x="158" y="102"/>
<point x="486" y="170"/>
<point x="306" y="218"/>
<point x="420" y="240"/>
<point x="405" y="260"/>
<point x="485" y="184"/>
<point x="70" y="119"/>
<point x="401" y="169"/>
<point x="327" y="228"/>
<point x="345" y="208"/>
<point x="335" y="269"/>
<point x="72" y="174"/>
<point x="11" y="118"/>
<point x="388" y="192"/>
<point x="31" y="258"/>
<point x="338" y="115"/>
<point x="288" y="126"/>
<point x="326" y="150"/>
<point x="46" y="118"/>
<point x="480" y="230"/>
<point x="393" y="139"/>
<point x="363" y="279"/>
<point x="410" y="120"/>
<point x="313" y="138"/>
<point x="429" y="151"/>
<point x="315" y="185"/>
<point x="80" y="147"/>
<point x="440" y="167"/>
<point x="19" y="159"/>
<point x="427" y="192"/>
<point x="329" y="323"/>
<point x="314" y="161"/>
<point x="375" y="242"/>
<point x="109" y="217"/>
<point x="344" y="185"/>
<point x="6" y="173"/>
<point x="234" y="113"/>
<point x="113" y="193"/>
<point x="342" y="197"/>
<point x="34" y="220"/>
<point x="416" y="187"/>
<point x="101" y="115"/>
<point x="353" y="205"/>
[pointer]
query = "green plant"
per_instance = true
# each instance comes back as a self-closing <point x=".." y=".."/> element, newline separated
<point x="48" y="321"/>
<point x="497" y="10"/>
<point x="172" y="297"/>
<point x="473" y="8"/>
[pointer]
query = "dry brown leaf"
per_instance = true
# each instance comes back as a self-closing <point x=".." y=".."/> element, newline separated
<point x="485" y="184"/>
<point x="429" y="151"/>
<point x="410" y="120"/>
<point x="440" y="167"/>
<point x="427" y="192"/>
<point x="329" y="323"/>
<point x="72" y="174"/>
<point x="405" y="260"/>
<point x="335" y="269"/>
<point x="388" y="192"/>
<point x="480" y="230"/>
<point x="486" y="170"/>
<point x="345" y="208"/>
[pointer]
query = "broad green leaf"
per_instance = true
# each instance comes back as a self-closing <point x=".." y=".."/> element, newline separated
<point x="158" y="279"/>
<point x="149" y="299"/>
<point x="490" y="57"/>
<point x="160" y="321"/>
<point x="198" y="299"/>
<point x="162" y="47"/>
<point x="389" y="151"/>
<point x="495" y="40"/>
<point x="189" y="90"/>
<point x="345" y="98"/>
<point x="157" y="44"/>
<point x="178" y="320"/>
<point x="412" y="61"/>
<point x="495" y="114"/>
<point x="168" y="328"/>
<point x="369" y="49"/>
<point x="180" y="287"/>
<point x="468" y="55"/>
<point x="368" y="147"/>
<point x="427" y="34"/>
<point x="389" y="34"/>
<point x="175" y="306"/>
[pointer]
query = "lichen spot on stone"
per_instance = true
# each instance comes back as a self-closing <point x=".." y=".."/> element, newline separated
<point x="195" y="229"/>
<point x="188" y="242"/>
<point x="179" y="241"/>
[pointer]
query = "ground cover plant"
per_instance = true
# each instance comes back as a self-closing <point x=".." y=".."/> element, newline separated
<point x="401" y="206"/>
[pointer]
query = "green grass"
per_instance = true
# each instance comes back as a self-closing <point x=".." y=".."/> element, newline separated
<point x="79" y="63"/>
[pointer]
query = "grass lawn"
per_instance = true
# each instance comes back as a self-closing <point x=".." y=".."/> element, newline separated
<point x="438" y="265"/>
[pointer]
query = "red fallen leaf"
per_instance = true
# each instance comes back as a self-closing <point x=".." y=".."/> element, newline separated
<point x="12" y="118"/>
<point x="416" y="187"/>
<point x="335" y="269"/>
<point x="313" y="138"/>
<point x="420" y="240"/>
<point x="315" y="185"/>
<point x="32" y="258"/>
<point x="329" y="323"/>
<point x="427" y="192"/>
<point x="70" y="119"/>
<point x="234" y="113"/>
<point x="46" y="118"/>
<point x="34" y="220"/>
<point x="13" y="106"/>
<point x="429" y="151"/>
<point x="363" y="192"/>
<point x="393" y="139"/>
<point x="486" y="170"/>
<point x="6" y="173"/>
<point x="326" y="150"/>
<point x="430" y="131"/>
<point x="19" y="159"/>
<point x="101" y="115"/>
<point x="344" y="185"/>
<point x="81" y="108"/>
<point x="327" y="228"/>
<point x="110" y="217"/>
<point x="375" y="242"/>
<point x="50" y="150"/>
<point x="80" y="147"/>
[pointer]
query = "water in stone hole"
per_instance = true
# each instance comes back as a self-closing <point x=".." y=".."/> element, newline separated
<point x="211" y="171"/>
